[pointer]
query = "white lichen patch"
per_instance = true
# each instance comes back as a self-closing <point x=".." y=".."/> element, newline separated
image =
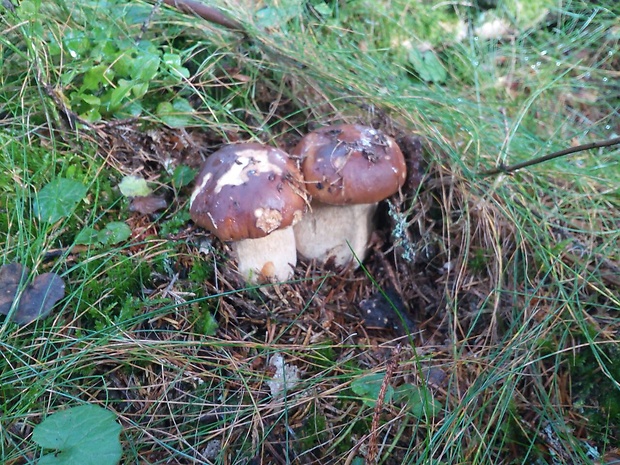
<point x="367" y="137"/>
<point x="285" y="378"/>
<point x="248" y="162"/>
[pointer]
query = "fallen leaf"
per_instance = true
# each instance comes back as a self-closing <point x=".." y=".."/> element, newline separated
<point x="10" y="277"/>
<point x="37" y="299"/>
<point x="146" y="205"/>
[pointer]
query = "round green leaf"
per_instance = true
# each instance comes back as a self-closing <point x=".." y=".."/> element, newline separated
<point x="145" y="66"/>
<point x="114" y="232"/>
<point x="58" y="199"/>
<point x="84" y="435"/>
<point x="182" y="176"/>
<point x="134" y="186"/>
<point x="428" y="66"/>
<point x="368" y="388"/>
<point x="177" y="114"/>
<point x="419" y="399"/>
<point x="87" y="236"/>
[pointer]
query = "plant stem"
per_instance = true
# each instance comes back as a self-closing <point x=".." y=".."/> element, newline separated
<point x="551" y="156"/>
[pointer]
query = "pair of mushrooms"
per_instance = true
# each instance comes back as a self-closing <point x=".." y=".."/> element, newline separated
<point x="255" y="197"/>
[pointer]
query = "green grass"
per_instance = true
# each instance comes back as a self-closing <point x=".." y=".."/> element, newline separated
<point x="512" y="279"/>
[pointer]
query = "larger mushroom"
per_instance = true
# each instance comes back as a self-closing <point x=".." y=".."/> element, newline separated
<point x="348" y="169"/>
<point x="250" y="195"/>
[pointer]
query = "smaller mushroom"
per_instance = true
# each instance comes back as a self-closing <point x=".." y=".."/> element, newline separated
<point x="251" y="195"/>
<point x="348" y="169"/>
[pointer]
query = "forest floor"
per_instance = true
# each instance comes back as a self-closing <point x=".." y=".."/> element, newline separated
<point x="482" y="328"/>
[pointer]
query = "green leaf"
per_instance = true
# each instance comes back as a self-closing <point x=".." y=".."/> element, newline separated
<point x="173" y="63"/>
<point x="76" y="43"/>
<point x="87" y="236"/>
<point x="123" y="63"/>
<point x="138" y="90"/>
<point x="120" y="93"/>
<point x="91" y="115"/>
<point x="130" y="110"/>
<point x="84" y="435"/>
<point x="176" y="114"/>
<point x="272" y="17"/>
<point x="419" y="399"/>
<point x="113" y="233"/>
<point x="90" y="99"/>
<point x="207" y="324"/>
<point x="369" y="386"/>
<point x="58" y="199"/>
<point x="428" y="66"/>
<point x="182" y="176"/>
<point x="134" y="186"/>
<point x="97" y="76"/>
<point x="145" y="66"/>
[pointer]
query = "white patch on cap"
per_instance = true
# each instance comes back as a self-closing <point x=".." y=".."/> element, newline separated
<point x="268" y="219"/>
<point x="247" y="160"/>
<point x="367" y="138"/>
<point x="199" y="188"/>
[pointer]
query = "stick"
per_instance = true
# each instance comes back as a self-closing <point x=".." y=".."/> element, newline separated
<point x="211" y="14"/>
<point x="551" y="156"/>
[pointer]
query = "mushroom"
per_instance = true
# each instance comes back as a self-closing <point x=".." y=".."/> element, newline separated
<point x="348" y="169"/>
<point x="251" y="194"/>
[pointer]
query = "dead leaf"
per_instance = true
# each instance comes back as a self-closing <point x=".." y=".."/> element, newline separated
<point x="37" y="299"/>
<point x="10" y="278"/>
<point x="147" y="204"/>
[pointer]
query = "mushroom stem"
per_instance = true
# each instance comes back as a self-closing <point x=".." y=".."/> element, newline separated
<point x="269" y="258"/>
<point x="336" y="232"/>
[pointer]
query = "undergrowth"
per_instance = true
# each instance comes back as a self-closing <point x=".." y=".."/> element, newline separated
<point x="509" y="284"/>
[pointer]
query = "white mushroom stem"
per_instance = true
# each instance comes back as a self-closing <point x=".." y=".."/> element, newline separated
<point x="270" y="258"/>
<point x="335" y="232"/>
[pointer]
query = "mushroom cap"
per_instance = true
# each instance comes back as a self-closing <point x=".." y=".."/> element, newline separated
<point x="350" y="164"/>
<point x="246" y="191"/>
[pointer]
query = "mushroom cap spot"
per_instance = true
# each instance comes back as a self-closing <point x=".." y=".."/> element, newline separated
<point x="250" y="162"/>
<point x="268" y="219"/>
<point x="246" y="191"/>
<point x="350" y="163"/>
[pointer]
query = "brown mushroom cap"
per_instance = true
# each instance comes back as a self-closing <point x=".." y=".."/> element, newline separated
<point x="246" y="191"/>
<point x="350" y="164"/>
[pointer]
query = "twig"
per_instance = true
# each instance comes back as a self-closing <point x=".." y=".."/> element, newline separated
<point x="211" y="14"/>
<point x="147" y="21"/>
<point x="551" y="156"/>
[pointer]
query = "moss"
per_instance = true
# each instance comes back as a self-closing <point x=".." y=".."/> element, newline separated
<point x="115" y="288"/>
<point x="204" y="323"/>
<point x="597" y="392"/>
<point x="313" y="432"/>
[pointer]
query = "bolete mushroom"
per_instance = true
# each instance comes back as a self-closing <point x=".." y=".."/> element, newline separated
<point x="250" y="195"/>
<point x="348" y="169"/>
